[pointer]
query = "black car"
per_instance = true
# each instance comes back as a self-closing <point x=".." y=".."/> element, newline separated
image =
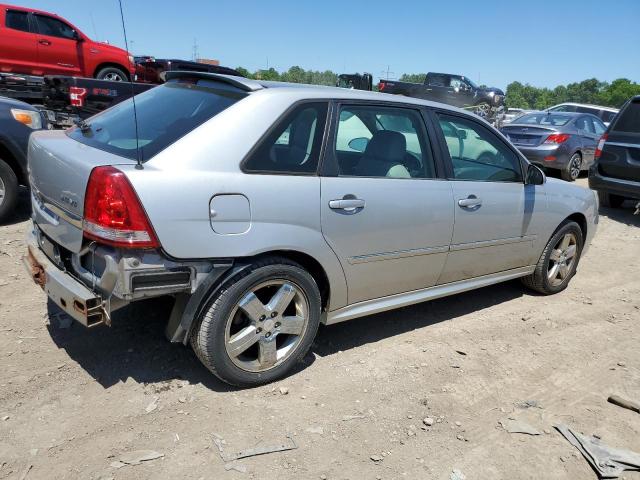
<point x="17" y="121"/>
<point x="456" y="90"/>
<point x="616" y="171"/>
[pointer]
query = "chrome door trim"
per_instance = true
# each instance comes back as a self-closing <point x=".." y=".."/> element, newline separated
<point x="625" y="145"/>
<point x="391" y="302"/>
<point x="491" y="243"/>
<point x="376" y="257"/>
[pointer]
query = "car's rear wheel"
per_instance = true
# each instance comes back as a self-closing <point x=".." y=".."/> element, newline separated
<point x="610" y="200"/>
<point x="112" y="74"/>
<point x="8" y="190"/>
<point x="559" y="260"/>
<point x="259" y="325"/>
<point x="572" y="171"/>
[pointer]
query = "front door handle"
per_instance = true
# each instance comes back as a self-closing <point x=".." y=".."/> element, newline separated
<point x="346" y="204"/>
<point x="470" y="202"/>
<point x="44" y="42"/>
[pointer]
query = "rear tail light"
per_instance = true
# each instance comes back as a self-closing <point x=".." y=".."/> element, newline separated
<point x="381" y="86"/>
<point x="557" y="138"/>
<point x="77" y="96"/>
<point x="113" y="214"/>
<point x="601" y="142"/>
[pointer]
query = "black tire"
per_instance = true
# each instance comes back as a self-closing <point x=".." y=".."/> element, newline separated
<point x="539" y="280"/>
<point x="570" y="173"/>
<point x="208" y="337"/>
<point x="9" y="183"/>
<point x="610" y="200"/>
<point x="113" y="74"/>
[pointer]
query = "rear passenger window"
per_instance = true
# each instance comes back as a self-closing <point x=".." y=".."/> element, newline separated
<point x="53" y="27"/>
<point x="294" y="145"/>
<point x="17" y="20"/>
<point x="382" y="142"/>
<point x="478" y="154"/>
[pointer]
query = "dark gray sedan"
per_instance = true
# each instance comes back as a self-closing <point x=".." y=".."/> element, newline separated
<point x="562" y="141"/>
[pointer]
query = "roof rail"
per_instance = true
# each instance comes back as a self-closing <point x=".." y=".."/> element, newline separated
<point x="240" y="82"/>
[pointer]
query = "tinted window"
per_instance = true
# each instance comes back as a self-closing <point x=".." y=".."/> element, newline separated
<point x="377" y="141"/>
<point x="53" y="27"/>
<point x="585" y="124"/>
<point x="438" y="80"/>
<point x="17" y="20"/>
<point x="545" y="118"/>
<point x="294" y="145"/>
<point x="593" y="111"/>
<point x="563" y="108"/>
<point x="628" y="119"/>
<point x="598" y="126"/>
<point x="477" y="153"/>
<point x="607" y="116"/>
<point x="165" y="114"/>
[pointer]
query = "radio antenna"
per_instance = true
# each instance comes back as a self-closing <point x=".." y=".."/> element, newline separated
<point x="133" y="96"/>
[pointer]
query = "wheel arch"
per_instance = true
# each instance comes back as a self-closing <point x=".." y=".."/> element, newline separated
<point x="581" y="220"/>
<point x="113" y="65"/>
<point x="7" y="156"/>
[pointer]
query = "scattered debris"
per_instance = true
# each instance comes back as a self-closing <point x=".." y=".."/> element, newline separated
<point x="219" y="442"/>
<point x="457" y="475"/>
<point x="606" y="461"/>
<point x="428" y="421"/>
<point x="346" y="418"/>
<point x="318" y="430"/>
<point x="152" y="406"/>
<point x="284" y="390"/>
<point x="376" y="458"/>
<point x="138" y="456"/>
<point x="182" y="399"/>
<point x="624" y="403"/>
<point x="622" y="364"/>
<point x="461" y="352"/>
<point x="517" y="426"/>
<point x="5" y="418"/>
<point x="26" y="471"/>
<point x="238" y="467"/>
<point x="529" y="404"/>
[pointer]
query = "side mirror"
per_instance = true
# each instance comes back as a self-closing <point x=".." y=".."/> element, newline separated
<point x="359" y="144"/>
<point x="535" y="176"/>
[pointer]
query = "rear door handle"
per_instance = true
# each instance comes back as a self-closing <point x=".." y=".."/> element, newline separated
<point x="470" y="201"/>
<point x="346" y="204"/>
<point x="44" y="42"/>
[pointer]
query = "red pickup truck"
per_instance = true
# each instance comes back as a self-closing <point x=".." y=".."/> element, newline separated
<point x="33" y="42"/>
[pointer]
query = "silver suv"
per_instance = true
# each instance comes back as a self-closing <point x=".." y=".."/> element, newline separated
<point x="265" y="209"/>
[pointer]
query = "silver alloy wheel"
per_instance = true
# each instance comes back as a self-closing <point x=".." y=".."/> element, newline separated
<point x="3" y="191"/>
<point x="574" y="165"/>
<point x="113" y="77"/>
<point x="562" y="258"/>
<point x="267" y="325"/>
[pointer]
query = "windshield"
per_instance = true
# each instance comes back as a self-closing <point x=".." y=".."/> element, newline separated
<point x="545" y="118"/>
<point x="165" y="114"/>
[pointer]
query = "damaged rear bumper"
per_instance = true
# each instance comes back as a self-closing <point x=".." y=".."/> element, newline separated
<point x="69" y="294"/>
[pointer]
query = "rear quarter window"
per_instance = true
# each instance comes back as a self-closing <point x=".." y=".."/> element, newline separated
<point x="629" y="119"/>
<point x="165" y="114"/>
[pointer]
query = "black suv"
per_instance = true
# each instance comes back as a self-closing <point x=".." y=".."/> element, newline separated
<point x="616" y="172"/>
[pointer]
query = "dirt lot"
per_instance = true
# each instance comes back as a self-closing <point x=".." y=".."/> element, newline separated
<point x="73" y="401"/>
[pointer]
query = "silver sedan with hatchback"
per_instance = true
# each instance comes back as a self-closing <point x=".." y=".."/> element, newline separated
<point x="265" y="209"/>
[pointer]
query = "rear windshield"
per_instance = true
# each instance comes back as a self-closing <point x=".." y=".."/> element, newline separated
<point x="553" y="119"/>
<point x="165" y="114"/>
<point x="629" y="118"/>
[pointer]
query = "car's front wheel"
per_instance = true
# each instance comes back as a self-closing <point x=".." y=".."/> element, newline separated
<point x="112" y="74"/>
<point x="259" y="325"/>
<point x="559" y="260"/>
<point x="8" y="190"/>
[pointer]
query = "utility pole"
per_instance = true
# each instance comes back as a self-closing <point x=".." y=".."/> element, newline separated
<point x="195" y="54"/>
<point x="387" y="72"/>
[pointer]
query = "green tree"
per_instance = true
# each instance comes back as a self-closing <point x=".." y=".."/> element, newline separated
<point x="413" y="77"/>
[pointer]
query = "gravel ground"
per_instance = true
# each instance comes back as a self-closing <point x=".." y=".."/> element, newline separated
<point x="74" y="402"/>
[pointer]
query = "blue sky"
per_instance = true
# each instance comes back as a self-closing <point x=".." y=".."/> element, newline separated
<point x="542" y="42"/>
